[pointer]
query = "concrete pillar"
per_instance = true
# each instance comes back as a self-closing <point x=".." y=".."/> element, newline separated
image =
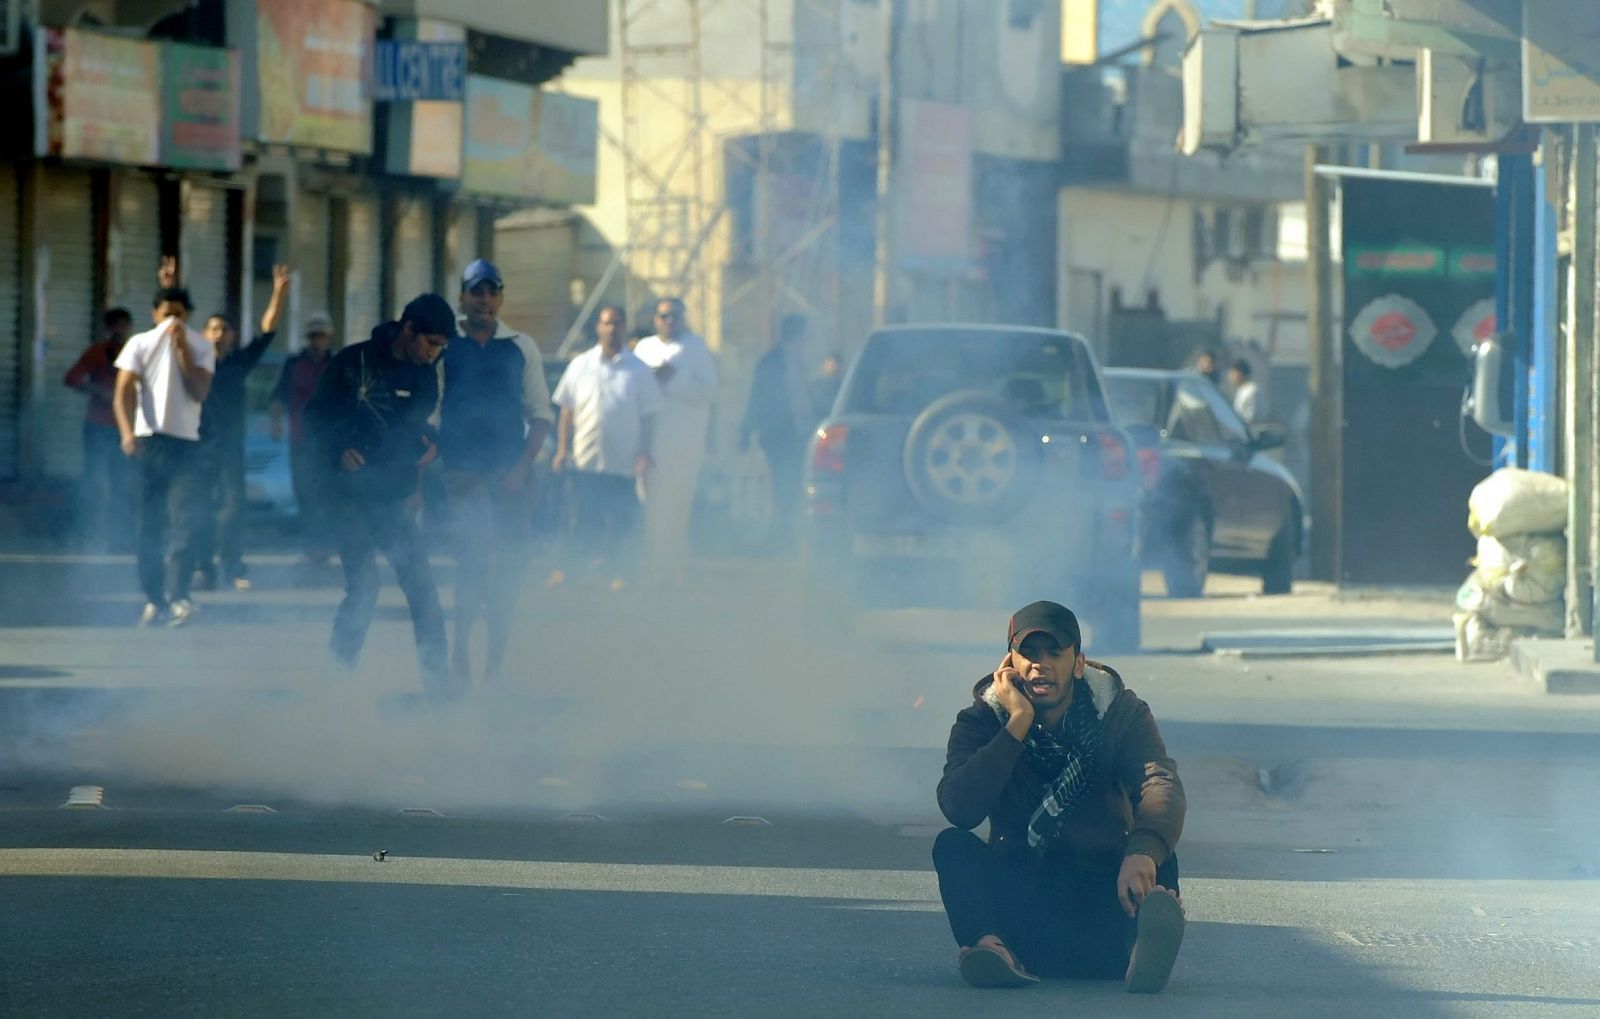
<point x="1579" y="381"/>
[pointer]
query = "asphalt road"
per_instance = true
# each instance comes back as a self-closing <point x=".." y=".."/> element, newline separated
<point x="1394" y="836"/>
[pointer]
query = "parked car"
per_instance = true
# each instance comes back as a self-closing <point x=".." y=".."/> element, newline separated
<point x="1212" y="499"/>
<point x="974" y="464"/>
<point x="269" y="489"/>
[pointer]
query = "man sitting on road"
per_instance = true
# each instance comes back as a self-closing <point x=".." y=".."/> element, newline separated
<point x="1078" y="878"/>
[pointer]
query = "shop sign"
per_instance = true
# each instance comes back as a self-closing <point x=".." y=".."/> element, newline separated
<point x="97" y="97"/>
<point x="936" y="198"/>
<point x="565" y="148"/>
<point x="1403" y="261"/>
<point x="499" y="132"/>
<point x="523" y="143"/>
<point x="1476" y="325"/>
<point x="1560" y="62"/>
<point x="409" y="71"/>
<point x="1393" y="331"/>
<point x="200" y="107"/>
<point x="314" y="73"/>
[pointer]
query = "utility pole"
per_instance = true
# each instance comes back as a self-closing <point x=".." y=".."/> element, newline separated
<point x="1324" y="383"/>
<point x="884" y="290"/>
<point x="1579" y="382"/>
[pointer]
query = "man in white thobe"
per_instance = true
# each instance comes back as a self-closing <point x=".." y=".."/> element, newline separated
<point x="687" y="372"/>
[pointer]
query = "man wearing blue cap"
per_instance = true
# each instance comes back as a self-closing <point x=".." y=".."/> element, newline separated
<point x="494" y="416"/>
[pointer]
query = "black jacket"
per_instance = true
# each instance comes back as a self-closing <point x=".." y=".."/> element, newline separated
<point x="378" y="405"/>
<point x="222" y="415"/>
<point x="1137" y="804"/>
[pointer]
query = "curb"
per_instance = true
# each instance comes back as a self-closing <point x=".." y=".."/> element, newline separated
<point x="1557" y="666"/>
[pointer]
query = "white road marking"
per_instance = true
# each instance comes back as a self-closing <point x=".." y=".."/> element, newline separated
<point x="1394" y="905"/>
<point x="781" y="882"/>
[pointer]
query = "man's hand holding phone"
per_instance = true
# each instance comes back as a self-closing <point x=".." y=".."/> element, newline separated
<point x="1008" y="689"/>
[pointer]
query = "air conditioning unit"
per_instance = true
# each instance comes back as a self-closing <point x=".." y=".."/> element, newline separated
<point x="1465" y="100"/>
<point x="10" y="26"/>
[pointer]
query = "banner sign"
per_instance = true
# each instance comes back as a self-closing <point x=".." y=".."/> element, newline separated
<point x="200" y="107"/>
<point x="1560" y="62"/>
<point x="408" y="71"/>
<point x="566" y="145"/>
<point x="523" y="143"/>
<point x="499" y="132"/>
<point x="933" y="221"/>
<point x="97" y="97"/>
<point x="314" y="73"/>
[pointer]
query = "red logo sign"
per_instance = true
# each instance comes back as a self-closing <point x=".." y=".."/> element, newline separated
<point x="1394" y="331"/>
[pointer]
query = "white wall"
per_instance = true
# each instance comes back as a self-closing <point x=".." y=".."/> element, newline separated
<point x="1142" y="241"/>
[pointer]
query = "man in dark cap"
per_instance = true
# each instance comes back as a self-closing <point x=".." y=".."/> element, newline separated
<point x="1078" y="878"/>
<point x="370" y="419"/>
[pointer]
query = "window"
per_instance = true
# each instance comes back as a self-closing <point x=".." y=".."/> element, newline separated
<point x="1230" y="426"/>
<point x="1191" y="419"/>
<point x="1037" y="375"/>
<point x="1134" y="401"/>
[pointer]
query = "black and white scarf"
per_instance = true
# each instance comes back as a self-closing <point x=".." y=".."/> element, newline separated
<point x="1068" y="753"/>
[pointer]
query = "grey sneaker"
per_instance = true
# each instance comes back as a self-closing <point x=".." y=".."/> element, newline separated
<point x="183" y="610"/>
<point x="151" y="615"/>
<point x="1161" y="924"/>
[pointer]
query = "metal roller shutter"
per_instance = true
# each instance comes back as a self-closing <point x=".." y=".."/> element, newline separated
<point x="413" y="251"/>
<point x="204" y="248"/>
<point x="66" y="218"/>
<point x="10" y="323"/>
<point x="312" y="240"/>
<point x="135" y="244"/>
<point x="361" y="310"/>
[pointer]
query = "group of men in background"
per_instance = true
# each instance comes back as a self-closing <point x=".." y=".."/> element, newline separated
<point x="462" y="396"/>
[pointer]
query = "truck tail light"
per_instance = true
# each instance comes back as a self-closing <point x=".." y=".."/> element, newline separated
<point x="827" y="456"/>
<point x="1150" y="466"/>
<point x="1113" y="457"/>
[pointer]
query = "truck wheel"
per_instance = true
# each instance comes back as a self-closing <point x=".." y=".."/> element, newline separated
<point x="1186" y="562"/>
<point x="1277" y="574"/>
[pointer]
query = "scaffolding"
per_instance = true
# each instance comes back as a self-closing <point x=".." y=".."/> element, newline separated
<point x="675" y="120"/>
<point x="664" y="180"/>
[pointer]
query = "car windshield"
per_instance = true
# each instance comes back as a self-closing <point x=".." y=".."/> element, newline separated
<point x="1134" y="401"/>
<point x="903" y="371"/>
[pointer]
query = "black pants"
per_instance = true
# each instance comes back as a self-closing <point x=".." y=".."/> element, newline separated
<point x="308" y="472"/>
<point x="363" y="528"/>
<point x="492" y="526"/>
<point x="603" y="517"/>
<point x="105" y="494"/>
<point x="784" y="461"/>
<point x="220" y="535"/>
<point x="1059" y="921"/>
<point x="168" y="514"/>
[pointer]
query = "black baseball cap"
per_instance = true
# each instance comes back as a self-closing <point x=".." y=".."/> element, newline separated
<point x="1044" y="617"/>
<point x="431" y="315"/>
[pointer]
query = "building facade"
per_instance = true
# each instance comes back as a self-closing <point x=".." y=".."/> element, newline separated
<point x="369" y="145"/>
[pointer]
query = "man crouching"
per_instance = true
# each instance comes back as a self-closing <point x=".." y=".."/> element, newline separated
<point x="1078" y="878"/>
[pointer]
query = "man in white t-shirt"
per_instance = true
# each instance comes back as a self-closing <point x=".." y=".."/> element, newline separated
<point x="163" y="377"/>
<point x="605" y="440"/>
<point x="687" y="372"/>
<point x="1246" y="395"/>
